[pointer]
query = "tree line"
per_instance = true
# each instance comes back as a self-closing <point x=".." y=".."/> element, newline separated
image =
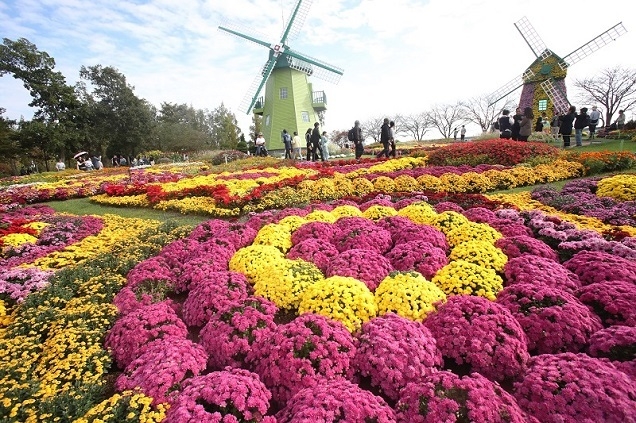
<point x="100" y="114"/>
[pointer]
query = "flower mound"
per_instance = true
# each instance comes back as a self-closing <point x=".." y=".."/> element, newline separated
<point x="344" y="299"/>
<point x="464" y="278"/>
<point x="215" y="291"/>
<point x="237" y="234"/>
<point x="368" y="237"/>
<point x="480" y="333"/>
<point x="575" y="388"/>
<point x="481" y="253"/>
<point x="445" y="397"/>
<point x="367" y="266"/>
<point x="229" y="334"/>
<point x="162" y="364"/>
<point x="554" y="320"/>
<point x="318" y="252"/>
<point x="393" y="351"/>
<point x="614" y="302"/>
<point x="17" y="283"/>
<point x="403" y="230"/>
<point x="137" y="328"/>
<point x="595" y="266"/>
<point x="541" y="271"/>
<point x="418" y="255"/>
<point x="301" y="354"/>
<point x="408" y="295"/>
<point x="285" y="282"/>
<point x="617" y="343"/>
<point x="314" y="230"/>
<point x="336" y="401"/>
<point x="251" y="260"/>
<point x="517" y="246"/>
<point x="228" y="396"/>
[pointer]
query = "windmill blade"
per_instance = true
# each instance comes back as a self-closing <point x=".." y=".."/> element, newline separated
<point x="229" y="29"/>
<point x="511" y="86"/>
<point x="531" y="37"/>
<point x="315" y="67"/>
<point x="296" y="21"/>
<point x="558" y="98"/>
<point x="251" y="96"/>
<point x="593" y="45"/>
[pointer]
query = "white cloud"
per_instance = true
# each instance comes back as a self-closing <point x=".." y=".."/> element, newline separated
<point x="399" y="56"/>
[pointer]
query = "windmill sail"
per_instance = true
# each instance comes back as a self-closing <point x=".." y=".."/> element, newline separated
<point x="510" y="87"/>
<point x="251" y="96"/>
<point x="531" y="36"/>
<point x="320" y="69"/>
<point x="559" y="100"/>
<point x="296" y="21"/>
<point x="253" y="37"/>
<point x="593" y="45"/>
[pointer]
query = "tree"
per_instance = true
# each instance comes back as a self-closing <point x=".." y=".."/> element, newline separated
<point x="119" y="117"/>
<point x="416" y="125"/>
<point x="446" y="117"/>
<point x="255" y="127"/>
<point x="57" y="105"/>
<point x="180" y="128"/>
<point x="225" y="130"/>
<point x="371" y="128"/>
<point x="480" y="111"/>
<point x="614" y="89"/>
<point x="339" y="138"/>
<point x="9" y="148"/>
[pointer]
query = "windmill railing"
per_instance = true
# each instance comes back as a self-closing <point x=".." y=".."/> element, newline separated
<point x="259" y="104"/>
<point x="319" y="97"/>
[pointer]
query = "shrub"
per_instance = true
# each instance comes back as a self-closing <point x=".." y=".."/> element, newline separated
<point x="227" y="157"/>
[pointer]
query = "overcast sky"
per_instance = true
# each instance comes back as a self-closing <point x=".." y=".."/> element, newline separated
<point x="399" y="56"/>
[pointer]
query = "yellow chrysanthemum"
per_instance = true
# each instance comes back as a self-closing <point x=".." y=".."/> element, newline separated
<point x="419" y="212"/>
<point x="15" y="240"/>
<point x="378" y="212"/>
<point x="284" y="282"/>
<point x="251" y="260"/>
<point x="344" y="299"/>
<point x="482" y="253"/>
<point x="276" y="235"/>
<point x="346" y="211"/>
<point x="321" y="216"/>
<point x="463" y="278"/>
<point x="408" y="294"/>
<point x="471" y="231"/>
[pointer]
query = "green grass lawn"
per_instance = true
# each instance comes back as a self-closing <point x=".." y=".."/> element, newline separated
<point x="83" y="206"/>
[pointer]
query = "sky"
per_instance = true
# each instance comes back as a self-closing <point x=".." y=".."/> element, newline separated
<point x="399" y="56"/>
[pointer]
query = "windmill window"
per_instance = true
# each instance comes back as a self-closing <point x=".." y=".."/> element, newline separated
<point x="283" y="93"/>
<point x="267" y="120"/>
<point x="305" y="116"/>
<point x="543" y="105"/>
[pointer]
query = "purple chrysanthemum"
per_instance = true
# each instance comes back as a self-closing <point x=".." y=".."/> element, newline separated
<point x="595" y="266"/>
<point x="419" y="255"/>
<point x="367" y="266"/>
<point x="614" y="302"/>
<point x="542" y="271"/>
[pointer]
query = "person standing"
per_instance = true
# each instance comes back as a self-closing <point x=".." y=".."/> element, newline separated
<point x="358" y="141"/>
<point x="505" y="126"/>
<point x="455" y="131"/>
<point x="463" y="133"/>
<point x="296" y="146"/>
<point x="538" y="126"/>
<point x="554" y="125"/>
<point x="595" y="116"/>
<point x="315" y="143"/>
<point x="581" y="121"/>
<point x="60" y="165"/>
<point x="525" y="126"/>
<point x="620" y="120"/>
<point x="566" y="122"/>
<point x="260" y="145"/>
<point x="516" y="124"/>
<point x="385" y="136"/>
<point x="287" y="142"/>
<point x="392" y="140"/>
<point x="308" y="143"/>
<point x="323" y="143"/>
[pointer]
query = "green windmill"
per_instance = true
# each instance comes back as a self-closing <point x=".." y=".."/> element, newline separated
<point x="544" y="81"/>
<point x="289" y="101"/>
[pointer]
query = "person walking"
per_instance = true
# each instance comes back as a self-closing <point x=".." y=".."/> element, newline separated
<point x="296" y="146"/>
<point x="525" y="126"/>
<point x="463" y="133"/>
<point x="308" y="143"/>
<point x="287" y="142"/>
<point x="581" y="121"/>
<point x="392" y="140"/>
<point x="595" y="116"/>
<point x="516" y="124"/>
<point x="385" y="136"/>
<point x="323" y="143"/>
<point x="620" y="120"/>
<point x="505" y="125"/>
<point x="315" y="143"/>
<point x="566" y="123"/>
<point x="358" y="141"/>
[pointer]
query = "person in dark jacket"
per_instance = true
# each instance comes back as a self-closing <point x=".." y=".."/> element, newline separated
<point x="516" y="124"/>
<point x="538" y="125"/>
<point x="308" y="143"/>
<point x="566" y="122"/>
<point x="315" y="143"/>
<point x="385" y="138"/>
<point x="357" y="139"/>
<point x="504" y="125"/>
<point x="581" y="121"/>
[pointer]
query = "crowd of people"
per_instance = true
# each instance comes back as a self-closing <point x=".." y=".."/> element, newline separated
<point x="519" y="126"/>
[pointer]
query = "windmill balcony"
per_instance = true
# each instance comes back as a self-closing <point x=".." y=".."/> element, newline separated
<point x="258" y="107"/>
<point x="319" y="100"/>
